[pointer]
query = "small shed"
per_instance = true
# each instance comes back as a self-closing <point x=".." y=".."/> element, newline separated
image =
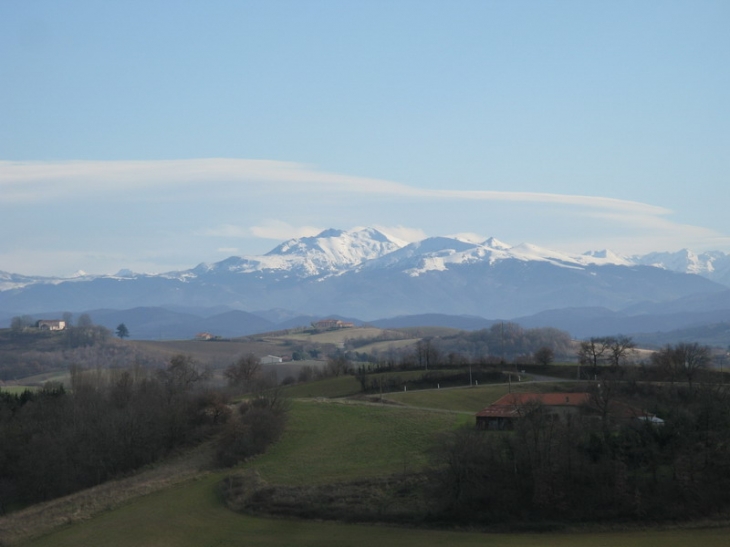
<point x="270" y="360"/>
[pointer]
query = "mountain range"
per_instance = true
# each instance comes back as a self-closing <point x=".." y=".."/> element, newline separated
<point x="369" y="275"/>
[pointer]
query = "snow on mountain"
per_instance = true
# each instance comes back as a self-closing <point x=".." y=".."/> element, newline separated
<point x="335" y="252"/>
<point x="681" y="261"/>
<point x="331" y="251"/>
<point x="368" y="274"/>
<point x="494" y="243"/>
<point x="606" y="257"/>
<point x="440" y="253"/>
<point x="714" y="265"/>
<point x="10" y="281"/>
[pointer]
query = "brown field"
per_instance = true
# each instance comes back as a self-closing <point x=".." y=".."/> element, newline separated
<point x="336" y="337"/>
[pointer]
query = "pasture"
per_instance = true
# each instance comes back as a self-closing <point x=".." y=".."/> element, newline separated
<point x="191" y="515"/>
<point x="325" y="442"/>
<point x="329" y="441"/>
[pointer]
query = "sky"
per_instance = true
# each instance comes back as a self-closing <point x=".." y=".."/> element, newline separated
<point x="156" y="135"/>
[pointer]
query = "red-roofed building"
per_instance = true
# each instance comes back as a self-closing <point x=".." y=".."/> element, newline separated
<point x="503" y="413"/>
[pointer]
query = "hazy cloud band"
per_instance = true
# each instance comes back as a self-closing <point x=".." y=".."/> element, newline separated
<point x="36" y="181"/>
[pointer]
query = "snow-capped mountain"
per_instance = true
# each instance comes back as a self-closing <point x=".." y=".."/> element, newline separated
<point x="9" y="281"/>
<point x="368" y="274"/>
<point x="329" y="252"/>
<point x="713" y="265"/>
<point x="440" y="253"/>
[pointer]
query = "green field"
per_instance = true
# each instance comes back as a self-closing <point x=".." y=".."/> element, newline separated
<point x="17" y="389"/>
<point x="328" y="441"/>
<point x="466" y="399"/>
<point x="192" y="516"/>
<point x="341" y="386"/>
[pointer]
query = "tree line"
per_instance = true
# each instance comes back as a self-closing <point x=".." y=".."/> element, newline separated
<point x="592" y="469"/>
<point x="110" y="421"/>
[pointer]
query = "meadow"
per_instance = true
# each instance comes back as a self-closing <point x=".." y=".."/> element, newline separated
<point x="330" y="441"/>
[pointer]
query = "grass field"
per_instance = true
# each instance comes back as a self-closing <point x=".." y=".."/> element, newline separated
<point x="325" y="442"/>
<point x="191" y="515"/>
<point x="330" y="441"/>
<point x="17" y="389"/>
<point x="467" y="399"/>
<point x="341" y="386"/>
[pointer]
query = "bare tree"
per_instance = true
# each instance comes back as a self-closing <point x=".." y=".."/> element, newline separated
<point x="243" y="372"/>
<point x="338" y="364"/>
<point x="683" y="359"/>
<point x="592" y="352"/>
<point x="620" y="350"/>
<point x="427" y="353"/>
<point x="182" y="374"/>
<point x="544" y="356"/>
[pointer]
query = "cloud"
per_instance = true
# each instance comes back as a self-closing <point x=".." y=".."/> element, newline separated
<point x="279" y="230"/>
<point x="404" y="233"/>
<point x="35" y="181"/>
<point x="171" y="210"/>
<point x="469" y="236"/>
<point x="227" y="230"/>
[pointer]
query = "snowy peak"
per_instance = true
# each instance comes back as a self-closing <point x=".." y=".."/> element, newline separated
<point x="714" y="265"/>
<point x="605" y="256"/>
<point x="329" y="252"/>
<point x="432" y="253"/>
<point x="442" y="253"/>
<point x="336" y="252"/>
<point x="494" y="243"/>
<point x="681" y="261"/>
<point x="332" y="250"/>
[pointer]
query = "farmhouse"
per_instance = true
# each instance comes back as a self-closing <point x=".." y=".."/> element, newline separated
<point x="270" y="360"/>
<point x="332" y="324"/>
<point x="503" y="413"/>
<point x="51" y="324"/>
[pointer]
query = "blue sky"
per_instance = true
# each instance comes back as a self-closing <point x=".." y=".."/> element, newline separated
<point x="157" y="135"/>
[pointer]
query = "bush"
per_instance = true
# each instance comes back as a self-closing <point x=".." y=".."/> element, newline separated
<point x="258" y="424"/>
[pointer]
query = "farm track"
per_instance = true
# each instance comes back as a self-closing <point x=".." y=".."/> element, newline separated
<point x="42" y="518"/>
